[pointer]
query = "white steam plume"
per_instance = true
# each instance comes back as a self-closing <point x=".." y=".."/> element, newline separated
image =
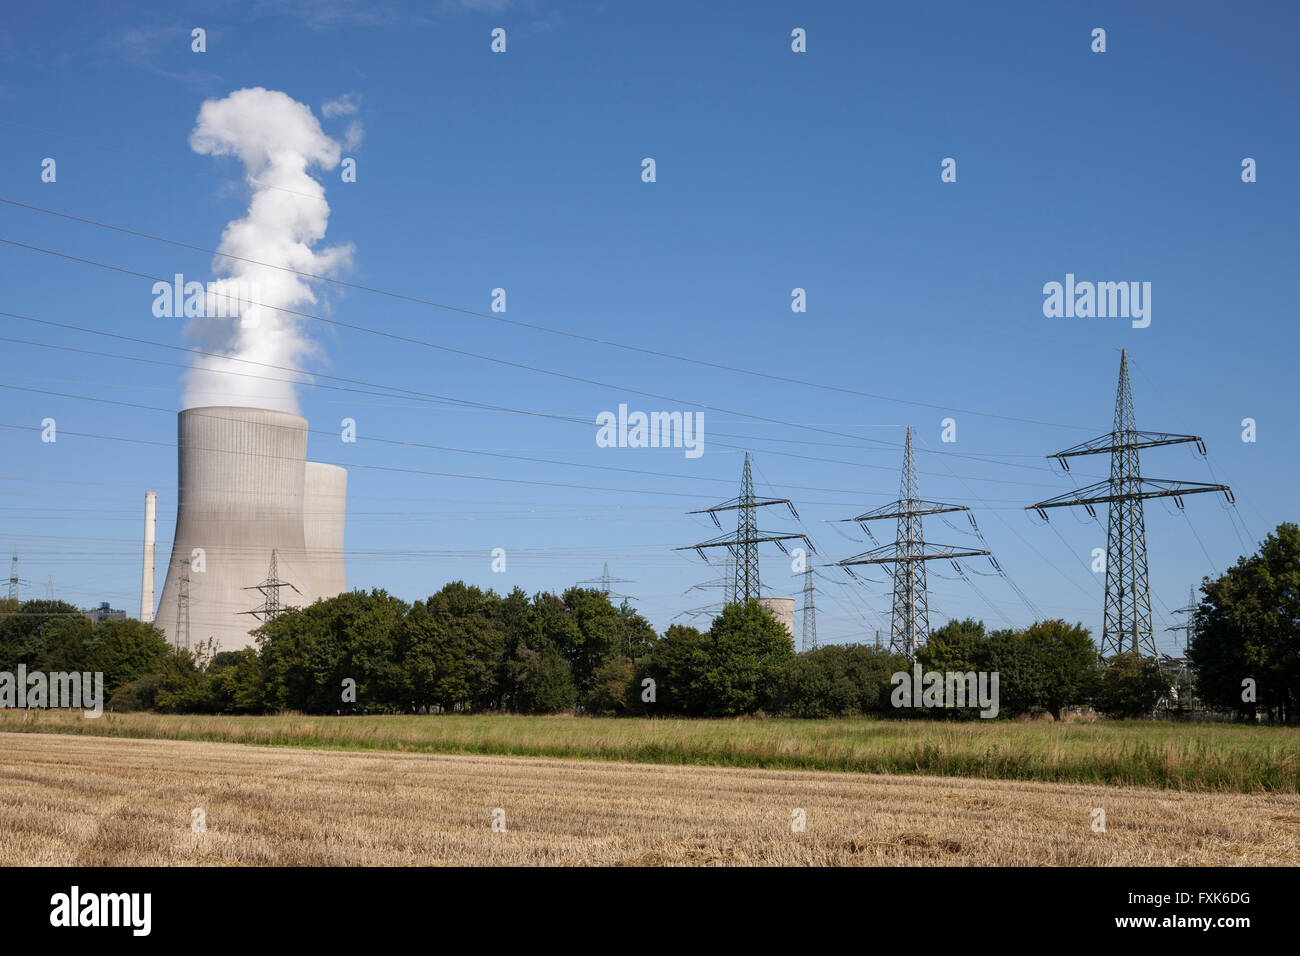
<point x="278" y="140"/>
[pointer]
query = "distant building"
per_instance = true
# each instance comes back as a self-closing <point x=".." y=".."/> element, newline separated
<point x="104" y="613"/>
<point x="782" y="609"/>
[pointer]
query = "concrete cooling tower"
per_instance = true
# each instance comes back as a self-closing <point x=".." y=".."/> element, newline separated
<point x="246" y="490"/>
<point x="324" y="511"/>
<point x="783" y="610"/>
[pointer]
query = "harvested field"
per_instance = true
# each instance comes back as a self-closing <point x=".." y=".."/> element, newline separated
<point x="75" y="800"/>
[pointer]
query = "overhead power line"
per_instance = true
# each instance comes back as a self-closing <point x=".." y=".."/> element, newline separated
<point x="550" y="330"/>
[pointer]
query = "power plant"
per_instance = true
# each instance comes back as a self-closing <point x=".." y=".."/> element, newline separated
<point x="247" y="496"/>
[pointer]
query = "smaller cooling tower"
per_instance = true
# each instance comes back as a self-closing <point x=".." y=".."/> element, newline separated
<point x="783" y="610"/>
<point x="324" y="511"/>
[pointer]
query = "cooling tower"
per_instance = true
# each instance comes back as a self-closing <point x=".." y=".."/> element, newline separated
<point x="783" y="610"/>
<point x="242" y="484"/>
<point x="324" y="511"/>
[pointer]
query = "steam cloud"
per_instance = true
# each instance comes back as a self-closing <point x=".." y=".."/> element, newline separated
<point x="278" y="140"/>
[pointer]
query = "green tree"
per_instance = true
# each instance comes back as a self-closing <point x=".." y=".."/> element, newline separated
<point x="1067" y="661"/>
<point x="957" y="646"/>
<point x="451" y="648"/>
<point x="636" y="638"/>
<point x="24" y="627"/>
<point x="1248" y="627"/>
<point x="677" y="666"/>
<point x="1046" y="666"/>
<point x="839" y="680"/>
<point x="185" y="687"/>
<point x="237" y="682"/>
<point x="543" y="682"/>
<point x="125" y="651"/>
<point x="309" y="652"/>
<point x="612" y="691"/>
<point x="747" y="647"/>
<point x="1130" y="685"/>
<point x="592" y="636"/>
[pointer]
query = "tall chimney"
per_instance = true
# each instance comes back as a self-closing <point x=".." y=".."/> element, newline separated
<point x="150" y="536"/>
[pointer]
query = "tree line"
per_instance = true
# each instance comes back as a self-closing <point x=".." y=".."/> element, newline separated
<point x="473" y="651"/>
<point x="468" y="650"/>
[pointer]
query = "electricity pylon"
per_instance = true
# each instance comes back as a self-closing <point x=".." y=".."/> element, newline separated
<point x="270" y="589"/>
<point x="743" y="545"/>
<point x="1128" y="593"/>
<point x="1190" y="626"/>
<point x="910" y="625"/>
<point x="183" y="609"/>
<point x="809" y="612"/>
<point x="727" y="582"/>
<point x="605" y="581"/>
<point x="16" y="583"/>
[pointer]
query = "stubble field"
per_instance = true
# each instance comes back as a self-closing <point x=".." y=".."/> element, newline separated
<point x="78" y="800"/>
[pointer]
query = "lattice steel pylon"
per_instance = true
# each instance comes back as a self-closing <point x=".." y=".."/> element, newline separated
<point x="13" y="577"/>
<point x="809" y="612"/>
<point x="270" y="588"/>
<point x="910" y="624"/>
<point x="1127" y="618"/>
<point x="743" y="545"/>
<point x="1190" y="627"/>
<point x="183" y="610"/>
<point x="727" y="582"/>
<point x="746" y="570"/>
<point x="605" y="581"/>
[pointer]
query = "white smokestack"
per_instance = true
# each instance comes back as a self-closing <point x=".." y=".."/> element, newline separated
<point x="278" y="140"/>
<point x="150" y="537"/>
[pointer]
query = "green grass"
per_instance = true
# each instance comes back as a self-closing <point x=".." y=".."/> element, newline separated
<point x="1215" y="757"/>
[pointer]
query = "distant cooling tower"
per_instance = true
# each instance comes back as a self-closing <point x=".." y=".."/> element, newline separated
<point x="323" y="518"/>
<point x="243" y="488"/>
<point x="783" y="610"/>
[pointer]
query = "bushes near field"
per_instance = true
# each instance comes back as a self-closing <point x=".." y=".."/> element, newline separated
<point x="467" y="650"/>
<point x="472" y="651"/>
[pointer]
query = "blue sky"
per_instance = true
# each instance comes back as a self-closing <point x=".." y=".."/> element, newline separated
<point x="775" y="170"/>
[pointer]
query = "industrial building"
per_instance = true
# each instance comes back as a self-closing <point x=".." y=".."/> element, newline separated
<point x="105" y="612"/>
<point x="248" y="500"/>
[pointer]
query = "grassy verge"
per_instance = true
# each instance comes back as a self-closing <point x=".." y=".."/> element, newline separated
<point x="1218" y="758"/>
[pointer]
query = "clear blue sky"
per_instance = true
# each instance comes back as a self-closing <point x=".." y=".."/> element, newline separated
<point x="775" y="170"/>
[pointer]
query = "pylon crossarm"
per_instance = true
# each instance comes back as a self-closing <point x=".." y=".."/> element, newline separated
<point x="700" y="611"/>
<point x="1102" y="492"/>
<point x="730" y="541"/>
<point x="266" y="586"/>
<point x="899" y="509"/>
<point x="888" y="554"/>
<point x="1124" y="441"/>
<point x="734" y="503"/>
